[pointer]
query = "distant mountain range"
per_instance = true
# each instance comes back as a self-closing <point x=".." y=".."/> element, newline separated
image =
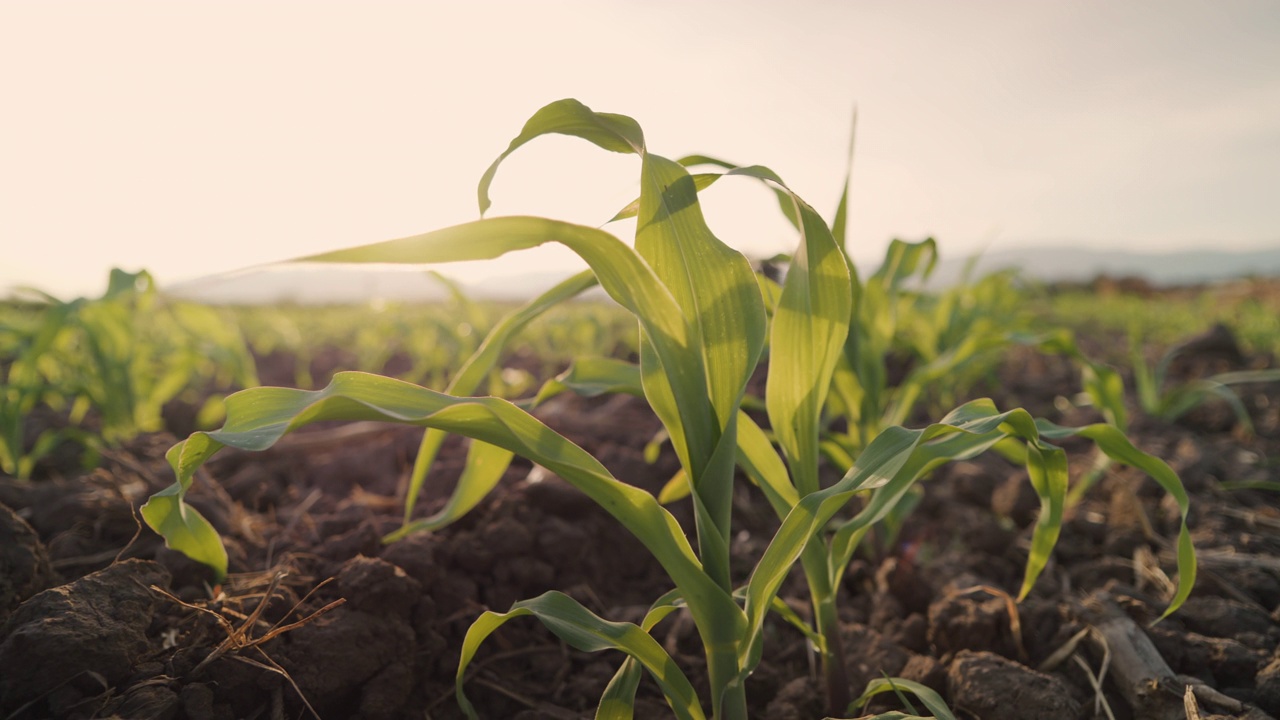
<point x="350" y="284"/>
<point x="1074" y="264"/>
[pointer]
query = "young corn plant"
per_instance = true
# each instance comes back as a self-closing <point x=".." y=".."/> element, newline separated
<point x="1158" y="397"/>
<point x="703" y="325"/>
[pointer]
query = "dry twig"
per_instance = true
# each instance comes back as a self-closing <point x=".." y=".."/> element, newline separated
<point x="241" y="638"/>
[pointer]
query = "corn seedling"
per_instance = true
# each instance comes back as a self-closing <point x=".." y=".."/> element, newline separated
<point x="703" y="326"/>
<point x="1160" y="398"/>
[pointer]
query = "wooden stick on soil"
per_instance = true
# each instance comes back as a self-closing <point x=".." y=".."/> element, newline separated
<point x="1140" y="673"/>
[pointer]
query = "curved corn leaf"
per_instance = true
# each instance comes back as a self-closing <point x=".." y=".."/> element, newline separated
<point x="182" y="527"/>
<point x="677" y="488"/>
<point x="903" y="399"/>
<point x="585" y="631"/>
<point x="1116" y="446"/>
<point x="784" y="197"/>
<point x="718" y="294"/>
<point x="712" y="282"/>
<point x="810" y="324"/>
<point x="701" y="181"/>
<point x="1182" y="399"/>
<point x="467" y="382"/>
<point x="596" y="376"/>
<point x="484" y="468"/>
<point x="592" y="376"/>
<point x="1244" y="377"/>
<point x="653" y="448"/>
<point x="616" y="133"/>
<point x="764" y="467"/>
<point x="839" y="223"/>
<point x="932" y="701"/>
<point x="619" y="697"/>
<point x="809" y="327"/>
<point x="258" y="417"/>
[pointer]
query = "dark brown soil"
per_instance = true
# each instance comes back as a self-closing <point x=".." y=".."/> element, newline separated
<point x="85" y="634"/>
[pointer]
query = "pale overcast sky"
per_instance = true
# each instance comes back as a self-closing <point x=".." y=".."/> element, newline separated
<point x="199" y="137"/>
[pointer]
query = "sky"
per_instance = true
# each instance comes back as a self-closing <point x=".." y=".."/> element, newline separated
<point x="193" y="138"/>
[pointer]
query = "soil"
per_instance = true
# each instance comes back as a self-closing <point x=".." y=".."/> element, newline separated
<point x="100" y="620"/>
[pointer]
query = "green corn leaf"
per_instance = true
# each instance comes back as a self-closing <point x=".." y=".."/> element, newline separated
<point x="792" y="618"/>
<point x="619" y="697"/>
<point x="616" y="133"/>
<point x="701" y="181"/>
<point x="484" y="468"/>
<point x="677" y="488"/>
<point x="1102" y="384"/>
<point x="923" y="458"/>
<point x="1183" y="399"/>
<point x="712" y="283"/>
<point x="585" y="631"/>
<point x="784" y="197"/>
<point x="468" y="381"/>
<point x="718" y="294"/>
<point x="810" y="324"/>
<point x="971" y="429"/>
<point x="593" y="376"/>
<point x="860" y="383"/>
<point x="1244" y="377"/>
<point x="618" y="700"/>
<point x="926" y="375"/>
<point x="904" y="259"/>
<point x="1268" y="485"/>
<point x="182" y="527"/>
<point x="761" y="463"/>
<point x="653" y="448"/>
<point x="932" y="701"/>
<point x="1113" y="442"/>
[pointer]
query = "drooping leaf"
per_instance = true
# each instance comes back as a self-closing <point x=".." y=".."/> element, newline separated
<point x="585" y="631"/>
<point x="932" y="701"/>
<point x="616" y="133"/>
<point x="468" y="380"/>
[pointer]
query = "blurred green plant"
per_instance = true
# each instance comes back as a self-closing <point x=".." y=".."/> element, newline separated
<point x="1160" y="397"/>
<point x="111" y="364"/>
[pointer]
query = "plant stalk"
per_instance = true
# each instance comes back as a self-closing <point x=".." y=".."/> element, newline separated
<point x="827" y="622"/>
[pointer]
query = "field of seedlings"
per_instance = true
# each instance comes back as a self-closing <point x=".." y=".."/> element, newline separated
<point x="793" y="488"/>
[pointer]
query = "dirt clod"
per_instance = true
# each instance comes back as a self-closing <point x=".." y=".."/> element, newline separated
<point x="95" y="625"/>
<point x="24" y="563"/>
<point x="993" y="688"/>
